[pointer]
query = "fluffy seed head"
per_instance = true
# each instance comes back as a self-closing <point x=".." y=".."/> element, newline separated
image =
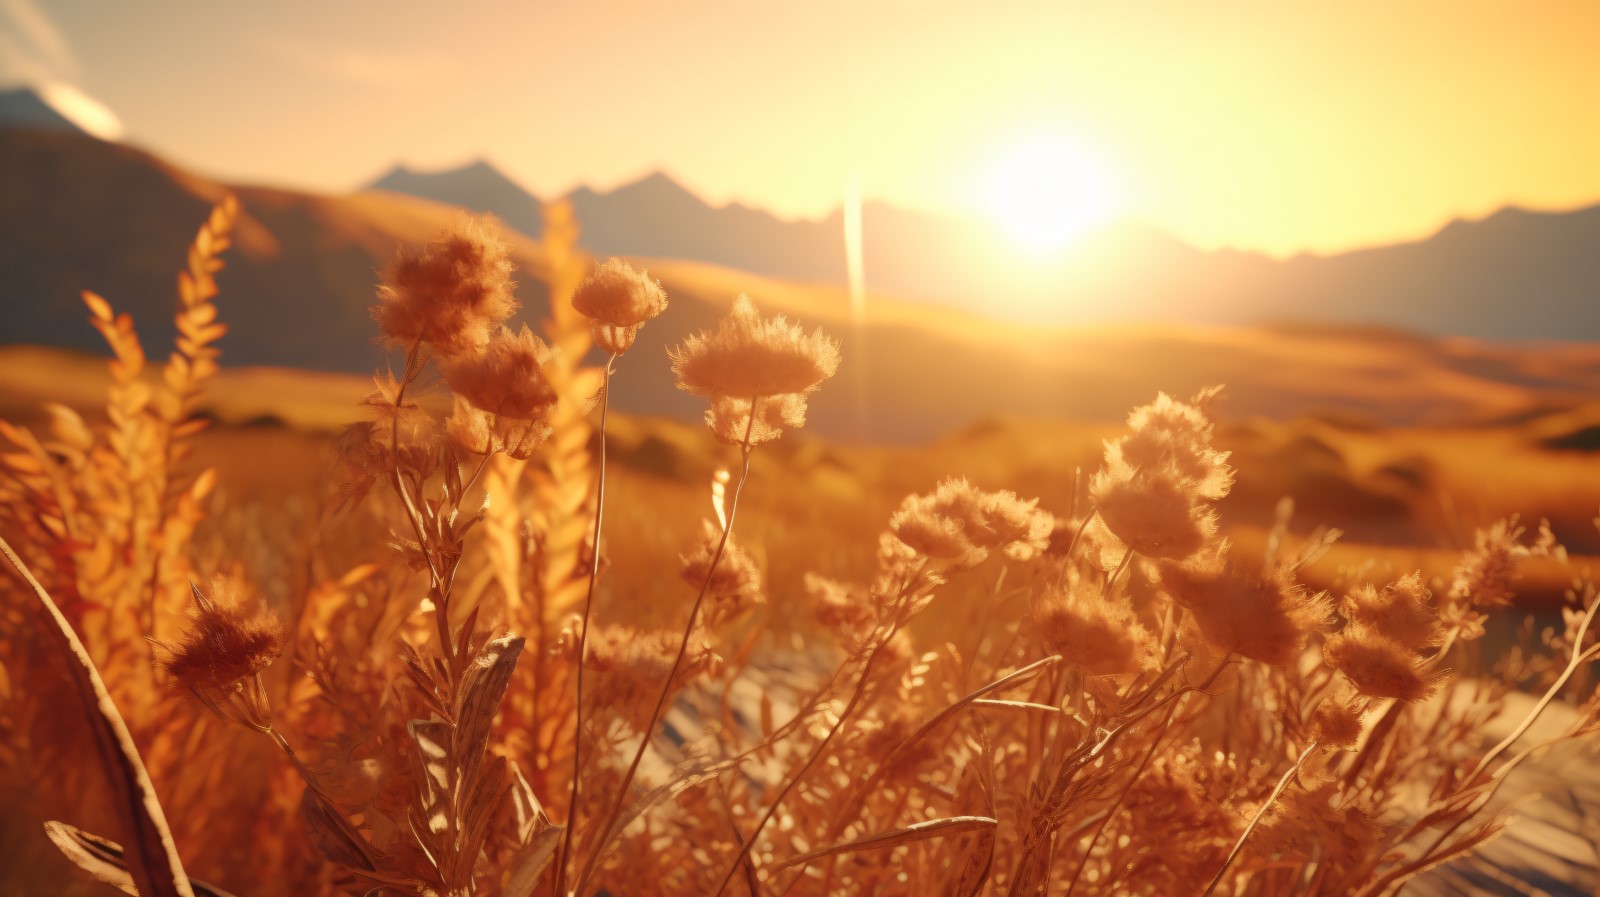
<point x="729" y="417"/>
<point x="1379" y="666"/>
<point x="1337" y="722"/>
<point x="449" y="293"/>
<point x="478" y="432"/>
<point x="1261" y="614"/>
<point x="1155" y="512"/>
<point x="1170" y="434"/>
<point x="750" y="356"/>
<point x="1400" y="610"/>
<point x="962" y="524"/>
<point x="1093" y="633"/>
<point x="219" y="658"/>
<point x="618" y="299"/>
<point x="506" y="378"/>
<point x="736" y="576"/>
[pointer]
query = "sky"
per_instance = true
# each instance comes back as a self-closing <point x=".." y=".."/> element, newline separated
<point x="1280" y="127"/>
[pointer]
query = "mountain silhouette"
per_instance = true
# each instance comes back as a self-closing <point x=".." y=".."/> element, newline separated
<point x="25" y="108"/>
<point x="85" y="214"/>
<point x="478" y="186"/>
<point x="1516" y="274"/>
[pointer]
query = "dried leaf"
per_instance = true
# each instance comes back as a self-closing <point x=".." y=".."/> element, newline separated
<point x="153" y="863"/>
<point x="933" y="828"/>
<point x="103" y="859"/>
<point x="530" y="862"/>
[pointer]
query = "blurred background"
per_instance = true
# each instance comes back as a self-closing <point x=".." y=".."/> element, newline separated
<point x="1378" y="224"/>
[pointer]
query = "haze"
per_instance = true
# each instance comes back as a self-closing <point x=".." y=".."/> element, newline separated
<point x="1253" y="125"/>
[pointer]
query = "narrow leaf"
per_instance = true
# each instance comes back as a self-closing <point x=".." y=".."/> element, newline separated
<point x="933" y="828"/>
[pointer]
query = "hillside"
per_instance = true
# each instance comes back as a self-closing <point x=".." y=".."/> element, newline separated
<point x="88" y="214"/>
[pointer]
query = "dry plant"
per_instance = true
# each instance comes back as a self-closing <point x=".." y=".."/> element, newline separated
<point x="1138" y="708"/>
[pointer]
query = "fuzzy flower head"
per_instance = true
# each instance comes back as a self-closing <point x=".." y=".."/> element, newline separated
<point x="1092" y="632"/>
<point x="477" y="432"/>
<point x="1170" y="434"/>
<point x="729" y="417"/>
<point x="846" y="610"/>
<point x="507" y="377"/>
<point x="1258" y="613"/>
<point x="634" y="663"/>
<point x="1378" y="665"/>
<point x="1154" y="491"/>
<point x="961" y="525"/>
<point x="1400" y="610"/>
<point x="220" y="656"/>
<point x="733" y="584"/>
<point x="756" y="360"/>
<point x="1157" y="513"/>
<point x="449" y="293"/>
<point x="619" y="300"/>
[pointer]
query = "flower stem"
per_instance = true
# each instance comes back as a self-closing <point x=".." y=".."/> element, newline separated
<point x="1256" y="820"/>
<point x="583" y="636"/>
<point x="677" y="664"/>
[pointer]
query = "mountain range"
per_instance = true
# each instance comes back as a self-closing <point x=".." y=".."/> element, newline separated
<point x="80" y="213"/>
<point x="1517" y="274"/>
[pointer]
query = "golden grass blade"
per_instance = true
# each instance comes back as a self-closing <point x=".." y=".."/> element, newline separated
<point x="921" y="831"/>
<point x="103" y="859"/>
<point x="153" y="863"/>
<point x="531" y="861"/>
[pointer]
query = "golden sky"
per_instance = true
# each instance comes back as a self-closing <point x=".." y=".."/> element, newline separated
<point x="1271" y="125"/>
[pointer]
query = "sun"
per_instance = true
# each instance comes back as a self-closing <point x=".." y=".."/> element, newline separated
<point x="1048" y="191"/>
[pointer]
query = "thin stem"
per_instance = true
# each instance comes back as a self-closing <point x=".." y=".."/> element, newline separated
<point x="677" y="664"/>
<point x="1116" y="805"/>
<point x="1256" y="820"/>
<point x="1127" y="558"/>
<point x="1578" y="658"/>
<point x="583" y="636"/>
<point x="816" y="754"/>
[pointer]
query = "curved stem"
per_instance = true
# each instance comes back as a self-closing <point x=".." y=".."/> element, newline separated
<point x="677" y="664"/>
<point x="583" y="636"/>
<point x="1256" y="820"/>
<point x="1116" y="805"/>
<point x="822" y="747"/>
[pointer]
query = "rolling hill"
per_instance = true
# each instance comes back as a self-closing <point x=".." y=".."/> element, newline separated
<point x="82" y="213"/>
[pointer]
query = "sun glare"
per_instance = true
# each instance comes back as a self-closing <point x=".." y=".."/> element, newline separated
<point x="1047" y="192"/>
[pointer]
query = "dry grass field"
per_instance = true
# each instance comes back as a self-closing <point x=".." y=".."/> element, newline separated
<point x="510" y="623"/>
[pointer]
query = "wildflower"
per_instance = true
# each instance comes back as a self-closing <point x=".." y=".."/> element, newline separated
<point x="619" y="300"/>
<point x="449" y="293"/>
<point x="1399" y="610"/>
<point x="635" y="663"/>
<point x="1336" y="723"/>
<point x="1092" y="632"/>
<point x="1260" y="614"/>
<point x="220" y="657"/>
<point x="1379" y="665"/>
<point x="961" y="524"/>
<point x="1153" y="491"/>
<point x="1169" y="433"/>
<point x="736" y="575"/>
<point x="1316" y="817"/>
<point x="1172" y="805"/>
<point x="1156" y="512"/>
<point x="843" y="609"/>
<point x="478" y="432"/>
<point x="757" y="360"/>
<point x="729" y="417"/>
<point x="506" y="378"/>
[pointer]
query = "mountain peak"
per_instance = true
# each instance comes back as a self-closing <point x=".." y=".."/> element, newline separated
<point x="58" y="107"/>
<point x="477" y="185"/>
